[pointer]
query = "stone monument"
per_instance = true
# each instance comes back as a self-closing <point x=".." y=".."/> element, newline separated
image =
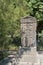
<point x="28" y="31"/>
<point x="29" y="55"/>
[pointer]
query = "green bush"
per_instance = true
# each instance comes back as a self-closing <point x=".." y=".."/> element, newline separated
<point x="40" y="41"/>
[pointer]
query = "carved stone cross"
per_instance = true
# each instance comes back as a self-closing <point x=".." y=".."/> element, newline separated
<point x="28" y="31"/>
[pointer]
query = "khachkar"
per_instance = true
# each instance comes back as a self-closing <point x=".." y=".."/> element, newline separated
<point x="28" y="31"/>
<point x="28" y="41"/>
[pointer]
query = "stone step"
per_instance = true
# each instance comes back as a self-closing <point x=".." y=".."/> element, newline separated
<point x="28" y="60"/>
<point x="33" y="55"/>
<point x="30" y="57"/>
<point x="29" y="52"/>
<point x="28" y="63"/>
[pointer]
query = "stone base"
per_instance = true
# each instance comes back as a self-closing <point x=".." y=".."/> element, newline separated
<point x="28" y="63"/>
<point x="29" y="56"/>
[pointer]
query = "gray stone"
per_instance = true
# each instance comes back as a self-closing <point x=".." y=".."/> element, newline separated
<point x="28" y="31"/>
<point x="28" y="52"/>
<point x="28" y="40"/>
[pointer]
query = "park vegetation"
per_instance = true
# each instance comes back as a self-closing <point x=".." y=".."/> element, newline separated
<point x="11" y="12"/>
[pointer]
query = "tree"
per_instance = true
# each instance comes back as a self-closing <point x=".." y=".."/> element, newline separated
<point x="10" y="13"/>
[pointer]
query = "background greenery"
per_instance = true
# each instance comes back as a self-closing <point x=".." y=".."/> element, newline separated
<point x="11" y="12"/>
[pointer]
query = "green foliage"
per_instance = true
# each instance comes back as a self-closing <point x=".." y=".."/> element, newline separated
<point x="40" y="40"/>
<point x="10" y="13"/>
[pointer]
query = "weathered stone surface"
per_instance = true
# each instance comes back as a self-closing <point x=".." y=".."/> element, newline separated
<point x="28" y="31"/>
<point x="28" y="40"/>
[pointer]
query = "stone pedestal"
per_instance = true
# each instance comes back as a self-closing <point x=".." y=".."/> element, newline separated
<point x="29" y="56"/>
